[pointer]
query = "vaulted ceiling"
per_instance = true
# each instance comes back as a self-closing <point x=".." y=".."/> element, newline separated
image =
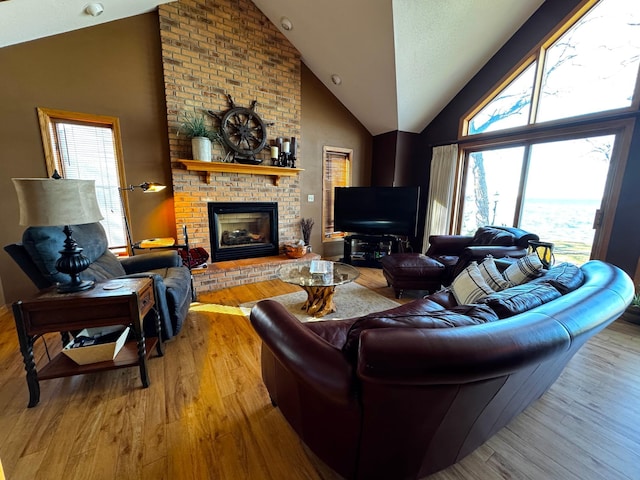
<point x="399" y="61"/>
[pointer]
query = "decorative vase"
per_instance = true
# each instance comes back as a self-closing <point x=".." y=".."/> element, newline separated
<point x="201" y="148"/>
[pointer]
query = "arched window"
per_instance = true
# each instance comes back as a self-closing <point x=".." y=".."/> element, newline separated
<point x="589" y="65"/>
<point x="545" y="149"/>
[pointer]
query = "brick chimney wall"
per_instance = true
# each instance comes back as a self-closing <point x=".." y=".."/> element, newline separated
<point x="211" y="49"/>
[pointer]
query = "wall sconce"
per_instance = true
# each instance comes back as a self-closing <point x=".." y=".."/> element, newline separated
<point x="47" y="202"/>
<point x="544" y="251"/>
<point x="283" y="153"/>
<point x="146" y="187"/>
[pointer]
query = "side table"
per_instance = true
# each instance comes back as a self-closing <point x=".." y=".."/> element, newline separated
<point x="113" y="302"/>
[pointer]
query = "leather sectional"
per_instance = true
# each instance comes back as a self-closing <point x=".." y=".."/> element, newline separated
<point x="409" y="391"/>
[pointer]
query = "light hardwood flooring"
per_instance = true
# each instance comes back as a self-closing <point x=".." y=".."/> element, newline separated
<point x="206" y="414"/>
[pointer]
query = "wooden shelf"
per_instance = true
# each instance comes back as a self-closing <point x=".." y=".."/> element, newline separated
<point x="223" y="167"/>
<point x="63" y="366"/>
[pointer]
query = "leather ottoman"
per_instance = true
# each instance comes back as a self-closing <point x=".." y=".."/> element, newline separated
<point x="412" y="271"/>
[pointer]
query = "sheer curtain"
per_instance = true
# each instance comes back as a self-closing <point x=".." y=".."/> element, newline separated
<point x="441" y="182"/>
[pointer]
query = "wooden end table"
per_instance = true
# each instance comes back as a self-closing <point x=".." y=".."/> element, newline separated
<point x="113" y="302"/>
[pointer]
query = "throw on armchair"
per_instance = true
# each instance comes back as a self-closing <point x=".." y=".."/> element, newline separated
<point x="39" y="250"/>
<point x="455" y="252"/>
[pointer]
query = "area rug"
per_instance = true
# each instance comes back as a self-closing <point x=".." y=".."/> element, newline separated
<point x="351" y="299"/>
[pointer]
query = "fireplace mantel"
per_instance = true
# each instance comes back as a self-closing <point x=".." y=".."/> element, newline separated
<point x="208" y="167"/>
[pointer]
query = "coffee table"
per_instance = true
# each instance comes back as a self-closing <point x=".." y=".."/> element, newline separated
<point x="319" y="278"/>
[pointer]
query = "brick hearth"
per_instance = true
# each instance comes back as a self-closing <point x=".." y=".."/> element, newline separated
<point x="211" y="49"/>
<point x="238" y="272"/>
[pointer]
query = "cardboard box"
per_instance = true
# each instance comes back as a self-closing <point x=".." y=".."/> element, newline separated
<point x="100" y="352"/>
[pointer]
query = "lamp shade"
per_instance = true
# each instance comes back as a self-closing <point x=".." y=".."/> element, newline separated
<point x="49" y="202"/>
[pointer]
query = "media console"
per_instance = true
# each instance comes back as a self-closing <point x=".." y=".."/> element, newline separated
<point x="368" y="250"/>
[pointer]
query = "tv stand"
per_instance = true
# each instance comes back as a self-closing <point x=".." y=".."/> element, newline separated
<point x="368" y="250"/>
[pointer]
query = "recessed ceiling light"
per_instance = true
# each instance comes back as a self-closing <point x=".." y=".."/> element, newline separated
<point x="335" y="78"/>
<point x="94" y="9"/>
<point x="286" y="24"/>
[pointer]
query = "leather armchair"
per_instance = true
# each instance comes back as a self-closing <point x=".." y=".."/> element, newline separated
<point x="40" y="247"/>
<point x="455" y="252"/>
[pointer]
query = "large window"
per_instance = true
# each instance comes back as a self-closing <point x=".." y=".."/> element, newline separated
<point x="544" y="150"/>
<point x="85" y="146"/>
<point x="336" y="173"/>
<point x="553" y="188"/>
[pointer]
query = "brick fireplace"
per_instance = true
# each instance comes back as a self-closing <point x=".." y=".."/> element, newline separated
<point x="211" y="49"/>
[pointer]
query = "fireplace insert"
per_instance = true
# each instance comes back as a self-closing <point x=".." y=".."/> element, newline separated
<point x="243" y="230"/>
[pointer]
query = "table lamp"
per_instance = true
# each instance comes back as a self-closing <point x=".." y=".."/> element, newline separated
<point x="46" y="202"/>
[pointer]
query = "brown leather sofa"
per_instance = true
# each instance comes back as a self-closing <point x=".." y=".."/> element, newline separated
<point x="404" y="393"/>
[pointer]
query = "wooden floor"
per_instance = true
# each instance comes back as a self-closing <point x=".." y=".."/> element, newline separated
<point x="206" y="414"/>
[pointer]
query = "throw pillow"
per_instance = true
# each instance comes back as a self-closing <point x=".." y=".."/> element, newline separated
<point x="492" y="236"/>
<point x="523" y="270"/>
<point x="565" y="277"/>
<point x="492" y="275"/>
<point x="520" y="299"/>
<point x="469" y="285"/>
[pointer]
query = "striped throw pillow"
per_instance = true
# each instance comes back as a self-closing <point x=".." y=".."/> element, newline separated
<point x="492" y="275"/>
<point x="469" y="285"/>
<point x="523" y="270"/>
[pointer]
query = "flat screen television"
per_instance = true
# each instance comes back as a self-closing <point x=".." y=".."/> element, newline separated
<point x="376" y="210"/>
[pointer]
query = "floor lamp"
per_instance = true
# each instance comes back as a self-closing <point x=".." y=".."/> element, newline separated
<point x="146" y="187"/>
<point x="47" y="202"/>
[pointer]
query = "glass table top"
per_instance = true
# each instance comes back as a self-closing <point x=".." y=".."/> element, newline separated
<point x="317" y="273"/>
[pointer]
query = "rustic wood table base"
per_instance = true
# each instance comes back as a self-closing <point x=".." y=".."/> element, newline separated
<point x="319" y="300"/>
<point x="319" y="278"/>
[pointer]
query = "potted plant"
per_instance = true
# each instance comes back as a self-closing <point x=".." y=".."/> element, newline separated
<point x="195" y="128"/>
<point x="632" y="313"/>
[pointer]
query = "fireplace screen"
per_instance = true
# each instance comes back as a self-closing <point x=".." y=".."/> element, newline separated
<point x="243" y="230"/>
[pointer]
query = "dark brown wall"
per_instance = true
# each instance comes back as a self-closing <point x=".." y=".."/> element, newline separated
<point x="111" y="69"/>
<point x="384" y="159"/>
<point x="400" y="159"/>
<point x="624" y="246"/>
<point x="325" y="121"/>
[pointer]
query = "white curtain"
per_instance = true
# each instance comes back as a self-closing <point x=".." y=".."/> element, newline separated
<point x="441" y="183"/>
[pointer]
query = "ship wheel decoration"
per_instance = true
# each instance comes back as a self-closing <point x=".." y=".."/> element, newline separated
<point x="243" y="132"/>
